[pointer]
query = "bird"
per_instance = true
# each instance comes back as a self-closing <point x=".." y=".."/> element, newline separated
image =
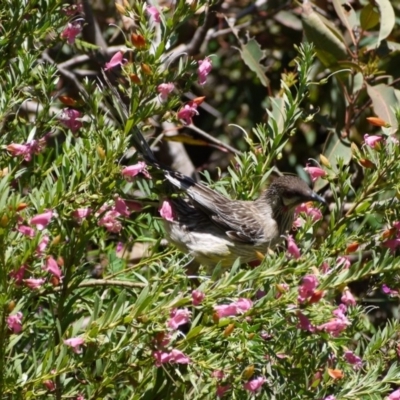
<point x="214" y="229"/>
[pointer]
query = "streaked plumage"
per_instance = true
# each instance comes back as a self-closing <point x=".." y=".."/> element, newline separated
<point x="212" y="228"/>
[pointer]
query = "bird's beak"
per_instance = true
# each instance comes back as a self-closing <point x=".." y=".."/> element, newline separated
<point x="317" y="197"/>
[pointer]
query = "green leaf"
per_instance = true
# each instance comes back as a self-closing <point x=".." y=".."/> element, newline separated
<point x="347" y="15"/>
<point x="369" y="17"/>
<point x="252" y="55"/>
<point x="329" y="48"/>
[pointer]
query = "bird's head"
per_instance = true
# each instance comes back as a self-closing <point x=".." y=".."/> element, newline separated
<point x="289" y="191"/>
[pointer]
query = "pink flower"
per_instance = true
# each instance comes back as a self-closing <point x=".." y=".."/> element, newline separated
<point x="394" y="395"/>
<point x="52" y="267"/>
<point x="71" y="32"/>
<point x="75" y="343"/>
<point x="50" y="385"/>
<point x="197" y="297"/>
<point x="175" y="356"/>
<point x="18" y="275"/>
<point x="222" y="389"/>
<point x="304" y="323"/>
<point x="204" y="69"/>
<point x="110" y="222"/>
<point x="42" y="220"/>
<point x="166" y="211"/>
<point x="226" y="310"/>
<point x="80" y="397"/>
<point x="26" y="230"/>
<point x="116" y="59"/>
<point x="14" y="322"/>
<point x="292" y="248"/>
<point x="25" y="150"/>
<point x="187" y="112"/>
<point x="340" y="312"/>
<point x="307" y="287"/>
<point x="392" y="244"/>
<point x="235" y="308"/>
<point x="133" y="170"/>
<point x="165" y="89"/>
<point x="154" y="13"/>
<point x="178" y="357"/>
<point x="386" y="289"/>
<point x="243" y="305"/>
<point x="33" y="283"/>
<point x="315" y="172"/>
<point x="133" y="205"/>
<point x="343" y="261"/>
<point x="352" y="359"/>
<point x="69" y="118"/>
<point x="121" y="207"/>
<point x="178" y="317"/>
<point x="372" y="140"/>
<point x="335" y="326"/>
<point x="218" y="374"/>
<point x="81" y="213"/>
<point x="254" y="385"/>
<point x="43" y="244"/>
<point x="330" y="397"/>
<point x="325" y="268"/>
<point x="348" y="298"/>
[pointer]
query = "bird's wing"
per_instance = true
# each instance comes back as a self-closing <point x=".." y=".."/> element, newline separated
<point x="239" y="219"/>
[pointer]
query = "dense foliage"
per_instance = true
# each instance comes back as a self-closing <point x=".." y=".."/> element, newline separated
<point x="94" y="304"/>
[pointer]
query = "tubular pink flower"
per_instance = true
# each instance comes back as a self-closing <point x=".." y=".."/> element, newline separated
<point x="42" y="220"/>
<point x="238" y="307"/>
<point x="307" y="287"/>
<point x="352" y="359"/>
<point x="205" y="67"/>
<point x="52" y="267"/>
<point x="166" y="211"/>
<point x="33" y="283"/>
<point x="154" y="13"/>
<point x="71" y="32"/>
<point x="81" y="213"/>
<point x="197" y="297"/>
<point x="394" y="395"/>
<point x="304" y="323"/>
<point x="314" y="172"/>
<point x="372" y="140"/>
<point x="26" y="230"/>
<point x="18" y="275"/>
<point x="42" y="245"/>
<point x="133" y="170"/>
<point x="165" y="89"/>
<point x="14" y="322"/>
<point x="69" y="118"/>
<point x="254" y="385"/>
<point x="75" y="343"/>
<point x="121" y="207"/>
<point x="292" y="248"/>
<point x="116" y="59"/>
<point x="347" y="298"/>
<point x="187" y="112"/>
<point x="178" y="317"/>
